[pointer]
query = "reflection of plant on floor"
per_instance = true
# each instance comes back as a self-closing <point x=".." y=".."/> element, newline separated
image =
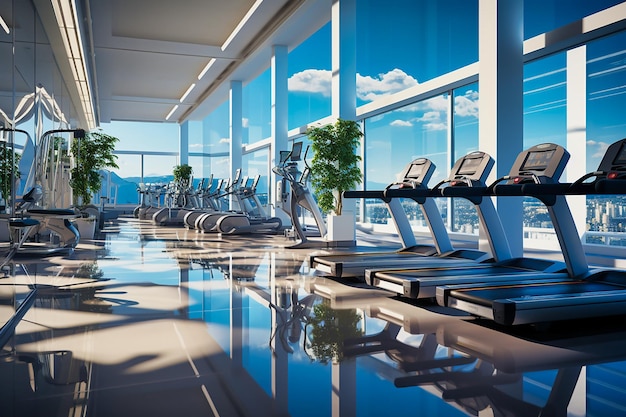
<point x="89" y="270"/>
<point x="330" y="328"/>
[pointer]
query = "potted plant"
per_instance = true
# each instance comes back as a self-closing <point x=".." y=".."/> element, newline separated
<point x="334" y="169"/>
<point x="182" y="174"/>
<point x="91" y="154"/>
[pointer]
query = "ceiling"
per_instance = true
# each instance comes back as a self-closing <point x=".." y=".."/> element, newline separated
<point x="147" y="53"/>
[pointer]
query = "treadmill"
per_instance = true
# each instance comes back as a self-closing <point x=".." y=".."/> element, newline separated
<point x="586" y="294"/>
<point x="472" y="169"/>
<point x="411" y="282"/>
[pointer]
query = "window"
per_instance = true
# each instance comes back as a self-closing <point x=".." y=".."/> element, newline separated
<point x="394" y="139"/>
<point x="606" y="99"/>
<point x="310" y="79"/>
<point x="256" y="109"/>
<point x="407" y="42"/>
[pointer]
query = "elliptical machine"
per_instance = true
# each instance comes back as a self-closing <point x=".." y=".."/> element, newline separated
<point x="299" y="195"/>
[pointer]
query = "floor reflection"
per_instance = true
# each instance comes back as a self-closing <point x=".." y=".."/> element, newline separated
<point x="156" y="321"/>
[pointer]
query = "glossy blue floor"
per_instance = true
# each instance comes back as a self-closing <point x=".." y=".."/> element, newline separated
<point x="162" y="321"/>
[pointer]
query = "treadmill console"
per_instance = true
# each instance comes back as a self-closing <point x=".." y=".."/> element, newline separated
<point x="613" y="164"/>
<point x="542" y="163"/>
<point x="473" y="167"/>
<point x="418" y="171"/>
<point x="610" y="178"/>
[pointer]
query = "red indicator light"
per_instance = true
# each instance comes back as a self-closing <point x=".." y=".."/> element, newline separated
<point x="517" y="179"/>
<point x="612" y="175"/>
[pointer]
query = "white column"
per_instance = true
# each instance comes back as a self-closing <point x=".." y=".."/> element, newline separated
<point x="183" y="144"/>
<point x="577" y="130"/>
<point x="280" y="120"/>
<point x="236" y="127"/>
<point x="343" y="394"/>
<point x="343" y="45"/>
<point x="500" y="52"/>
<point x="344" y="59"/>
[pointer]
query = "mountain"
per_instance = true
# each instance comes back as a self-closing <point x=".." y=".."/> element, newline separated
<point x="127" y="188"/>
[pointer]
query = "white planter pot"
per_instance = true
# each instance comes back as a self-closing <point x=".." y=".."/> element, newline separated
<point x="86" y="227"/>
<point x="341" y="228"/>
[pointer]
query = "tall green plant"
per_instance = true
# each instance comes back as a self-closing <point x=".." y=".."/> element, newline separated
<point x="91" y="154"/>
<point x="182" y="173"/>
<point x="335" y="165"/>
<point x="9" y="163"/>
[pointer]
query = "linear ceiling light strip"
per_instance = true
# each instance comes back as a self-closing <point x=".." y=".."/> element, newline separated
<point x="67" y="19"/>
<point x="242" y="23"/>
<point x="4" y="25"/>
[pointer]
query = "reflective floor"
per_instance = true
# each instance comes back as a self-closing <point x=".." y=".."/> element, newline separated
<point x="161" y="321"/>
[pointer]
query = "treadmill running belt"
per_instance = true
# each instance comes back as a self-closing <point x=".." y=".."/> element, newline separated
<point x="487" y="295"/>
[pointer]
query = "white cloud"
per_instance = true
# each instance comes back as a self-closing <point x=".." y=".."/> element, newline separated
<point x="311" y="81"/>
<point x="430" y="117"/>
<point x="601" y="148"/>
<point x="435" y="126"/>
<point x="403" y="123"/>
<point x="467" y="105"/>
<point x="368" y="88"/>
<point x="372" y="88"/>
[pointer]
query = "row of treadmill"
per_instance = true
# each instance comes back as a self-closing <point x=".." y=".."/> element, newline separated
<point x="494" y="285"/>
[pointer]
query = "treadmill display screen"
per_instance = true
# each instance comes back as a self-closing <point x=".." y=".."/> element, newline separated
<point x="469" y="166"/>
<point x="621" y="157"/>
<point x="537" y="161"/>
<point x="415" y="171"/>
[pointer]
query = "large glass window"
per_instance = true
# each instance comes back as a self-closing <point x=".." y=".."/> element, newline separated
<point x="256" y="163"/>
<point x="134" y="136"/>
<point x="606" y="99"/>
<point x="463" y="215"/>
<point x="545" y="117"/>
<point x="407" y="42"/>
<point x="545" y="120"/>
<point x="216" y="130"/>
<point x="256" y="109"/>
<point x="310" y="79"/>
<point x="393" y="140"/>
<point x="542" y="16"/>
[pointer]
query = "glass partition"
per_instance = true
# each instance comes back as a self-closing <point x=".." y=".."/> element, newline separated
<point x="33" y="100"/>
